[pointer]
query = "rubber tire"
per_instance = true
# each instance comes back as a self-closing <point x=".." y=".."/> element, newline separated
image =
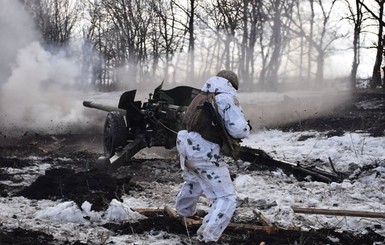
<point x="115" y="133"/>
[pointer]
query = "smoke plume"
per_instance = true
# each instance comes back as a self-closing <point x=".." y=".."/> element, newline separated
<point x="38" y="88"/>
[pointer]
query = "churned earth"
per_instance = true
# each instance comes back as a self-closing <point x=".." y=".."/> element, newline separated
<point x="53" y="167"/>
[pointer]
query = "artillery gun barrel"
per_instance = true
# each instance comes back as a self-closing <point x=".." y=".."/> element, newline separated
<point x="107" y="108"/>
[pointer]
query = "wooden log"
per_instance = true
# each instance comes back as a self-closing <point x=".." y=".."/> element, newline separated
<point x="366" y="214"/>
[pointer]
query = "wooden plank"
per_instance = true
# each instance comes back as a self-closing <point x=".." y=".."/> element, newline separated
<point x="171" y="212"/>
<point x="185" y="221"/>
<point x="366" y="214"/>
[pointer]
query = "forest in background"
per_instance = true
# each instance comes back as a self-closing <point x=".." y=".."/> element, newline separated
<point x="269" y="43"/>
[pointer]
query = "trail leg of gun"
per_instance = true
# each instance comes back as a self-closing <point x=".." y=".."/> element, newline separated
<point x="124" y="155"/>
<point x="121" y="157"/>
<point x="260" y="157"/>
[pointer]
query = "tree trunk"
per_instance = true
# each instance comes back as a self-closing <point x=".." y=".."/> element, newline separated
<point x="191" y="42"/>
<point x="309" y="58"/>
<point x="376" y="75"/>
<point x="356" y="44"/>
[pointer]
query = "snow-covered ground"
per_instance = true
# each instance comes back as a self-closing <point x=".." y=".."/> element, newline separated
<point x="272" y="193"/>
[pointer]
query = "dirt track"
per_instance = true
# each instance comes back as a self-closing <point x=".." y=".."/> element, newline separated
<point x="69" y="154"/>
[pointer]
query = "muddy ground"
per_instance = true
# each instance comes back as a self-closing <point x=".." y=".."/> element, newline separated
<point x="68" y="155"/>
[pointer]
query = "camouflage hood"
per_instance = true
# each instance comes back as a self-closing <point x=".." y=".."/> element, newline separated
<point x="218" y="85"/>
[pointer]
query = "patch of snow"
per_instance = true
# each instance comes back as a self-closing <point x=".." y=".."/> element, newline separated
<point x="118" y="211"/>
<point x="272" y="193"/>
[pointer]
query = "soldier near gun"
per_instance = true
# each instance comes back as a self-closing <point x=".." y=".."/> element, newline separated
<point x="201" y="158"/>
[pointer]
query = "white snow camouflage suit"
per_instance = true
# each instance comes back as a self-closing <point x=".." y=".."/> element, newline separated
<point x="204" y="170"/>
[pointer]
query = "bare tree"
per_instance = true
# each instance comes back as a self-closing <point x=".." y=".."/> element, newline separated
<point x="301" y="44"/>
<point x="324" y="41"/>
<point x="226" y="16"/>
<point x="54" y="18"/>
<point x="273" y="42"/>
<point x="191" y="39"/>
<point x="127" y="24"/>
<point x="279" y="37"/>
<point x="311" y="33"/>
<point x="356" y="17"/>
<point x="377" y="14"/>
<point x="93" y="34"/>
<point x="252" y="18"/>
<point x="169" y="32"/>
<point x="324" y="33"/>
<point x="136" y="38"/>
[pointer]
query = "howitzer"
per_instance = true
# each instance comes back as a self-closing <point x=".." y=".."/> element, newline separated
<point x="135" y="125"/>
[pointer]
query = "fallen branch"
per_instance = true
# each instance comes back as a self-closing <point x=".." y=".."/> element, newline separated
<point x="339" y="212"/>
<point x="333" y="168"/>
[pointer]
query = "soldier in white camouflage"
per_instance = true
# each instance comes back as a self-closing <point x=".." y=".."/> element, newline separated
<point x="199" y="146"/>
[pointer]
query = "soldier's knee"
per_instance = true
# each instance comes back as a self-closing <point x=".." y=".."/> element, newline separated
<point x="231" y="201"/>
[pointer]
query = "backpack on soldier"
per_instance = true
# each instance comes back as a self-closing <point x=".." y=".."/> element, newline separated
<point x="209" y="124"/>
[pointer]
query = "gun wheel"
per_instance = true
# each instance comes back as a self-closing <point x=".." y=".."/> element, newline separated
<point x="115" y="133"/>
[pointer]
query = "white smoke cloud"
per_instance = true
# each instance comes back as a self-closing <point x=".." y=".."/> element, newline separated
<point x="17" y="31"/>
<point x="37" y="87"/>
<point x="39" y="90"/>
